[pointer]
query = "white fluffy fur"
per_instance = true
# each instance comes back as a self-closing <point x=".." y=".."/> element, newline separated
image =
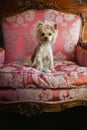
<point x="46" y="34"/>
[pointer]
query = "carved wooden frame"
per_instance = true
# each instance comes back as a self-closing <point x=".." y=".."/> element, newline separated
<point x="82" y="2"/>
<point x="37" y="107"/>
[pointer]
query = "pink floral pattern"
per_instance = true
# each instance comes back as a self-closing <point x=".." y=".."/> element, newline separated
<point x="19" y="34"/>
<point x="14" y="95"/>
<point x="67" y="75"/>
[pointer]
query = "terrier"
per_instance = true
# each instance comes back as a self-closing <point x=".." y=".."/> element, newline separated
<point x="46" y="34"/>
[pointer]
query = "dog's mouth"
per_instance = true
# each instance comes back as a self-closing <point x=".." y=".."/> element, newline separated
<point x="46" y="39"/>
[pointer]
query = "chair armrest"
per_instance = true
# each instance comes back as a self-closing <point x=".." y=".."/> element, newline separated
<point x="81" y="53"/>
<point x="2" y="56"/>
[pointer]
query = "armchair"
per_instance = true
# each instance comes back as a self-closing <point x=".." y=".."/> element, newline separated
<point x="30" y="91"/>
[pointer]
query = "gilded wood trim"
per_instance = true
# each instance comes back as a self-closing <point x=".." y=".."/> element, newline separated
<point x="33" y="108"/>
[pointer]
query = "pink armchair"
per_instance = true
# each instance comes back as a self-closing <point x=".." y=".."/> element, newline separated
<point x="28" y="90"/>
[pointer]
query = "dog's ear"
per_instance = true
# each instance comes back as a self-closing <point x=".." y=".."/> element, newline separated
<point x="39" y="24"/>
<point x="55" y="26"/>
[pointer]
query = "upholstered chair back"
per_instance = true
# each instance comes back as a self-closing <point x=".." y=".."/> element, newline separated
<point x="19" y="34"/>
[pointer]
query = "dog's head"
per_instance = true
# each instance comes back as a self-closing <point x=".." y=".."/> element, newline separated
<point x="46" y="32"/>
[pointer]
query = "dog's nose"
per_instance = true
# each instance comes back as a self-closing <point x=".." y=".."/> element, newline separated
<point x="46" y="38"/>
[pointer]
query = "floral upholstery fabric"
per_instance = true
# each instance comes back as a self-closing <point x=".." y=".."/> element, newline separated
<point x="26" y="95"/>
<point x="67" y="75"/>
<point x="19" y="34"/>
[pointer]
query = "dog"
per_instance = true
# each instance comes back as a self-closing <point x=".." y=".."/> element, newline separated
<point x="46" y="34"/>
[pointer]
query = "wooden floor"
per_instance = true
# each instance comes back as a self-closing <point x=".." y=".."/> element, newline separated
<point x="71" y="118"/>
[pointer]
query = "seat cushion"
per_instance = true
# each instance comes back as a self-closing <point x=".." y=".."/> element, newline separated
<point x="19" y="34"/>
<point x="26" y="95"/>
<point x="67" y="75"/>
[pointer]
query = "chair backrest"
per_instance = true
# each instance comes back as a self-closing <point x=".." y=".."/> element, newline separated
<point x="19" y="33"/>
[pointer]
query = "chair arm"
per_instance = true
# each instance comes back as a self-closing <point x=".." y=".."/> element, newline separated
<point x="81" y="53"/>
<point x="2" y="55"/>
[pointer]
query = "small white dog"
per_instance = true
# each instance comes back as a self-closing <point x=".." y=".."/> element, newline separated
<point x="46" y="34"/>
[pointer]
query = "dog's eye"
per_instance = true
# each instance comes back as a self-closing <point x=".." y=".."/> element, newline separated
<point x="49" y="34"/>
<point x="42" y="34"/>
